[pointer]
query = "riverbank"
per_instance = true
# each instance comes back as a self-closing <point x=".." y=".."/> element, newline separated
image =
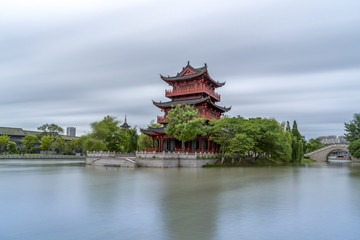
<point x="38" y="156"/>
<point x="150" y="159"/>
<point x="256" y="163"/>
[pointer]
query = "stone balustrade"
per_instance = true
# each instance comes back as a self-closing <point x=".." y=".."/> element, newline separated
<point x="108" y="154"/>
<point x="175" y="155"/>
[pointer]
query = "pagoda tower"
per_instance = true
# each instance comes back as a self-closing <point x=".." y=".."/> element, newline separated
<point x="191" y="86"/>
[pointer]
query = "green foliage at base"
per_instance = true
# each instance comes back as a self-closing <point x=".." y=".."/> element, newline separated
<point x="107" y="135"/>
<point x="3" y="141"/>
<point x="29" y="143"/>
<point x="11" y="147"/>
<point x="313" y="144"/>
<point x="353" y="129"/>
<point x="185" y="124"/>
<point x="354" y="148"/>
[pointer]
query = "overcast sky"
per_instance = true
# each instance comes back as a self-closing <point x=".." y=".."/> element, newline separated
<point x="72" y="62"/>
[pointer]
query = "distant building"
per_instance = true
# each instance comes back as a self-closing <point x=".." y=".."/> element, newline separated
<point x="328" y="140"/>
<point x="18" y="134"/>
<point x="71" y="131"/>
<point x="125" y="126"/>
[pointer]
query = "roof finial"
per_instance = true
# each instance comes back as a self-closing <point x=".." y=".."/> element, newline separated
<point x="205" y="65"/>
<point x="188" y="62"/>
<point x="125" y="118"/>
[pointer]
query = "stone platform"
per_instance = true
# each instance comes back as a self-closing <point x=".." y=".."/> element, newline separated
<point x="150" y="159"/>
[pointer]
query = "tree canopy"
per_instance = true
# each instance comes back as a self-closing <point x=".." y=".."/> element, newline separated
<point x="255" y="138"/>
<point x="3" y="141"/>
<point x="353" y="129"/>
<point x="29" y="143"/>
<point x="354" y="148"/>
<point x="184" y="123"/>
<point x="314" y="144"/>
<point x="11" y="147"/>
<point x="107" y="135"/>
<point x="50" y="130"/>
<point x="46" y="143"/>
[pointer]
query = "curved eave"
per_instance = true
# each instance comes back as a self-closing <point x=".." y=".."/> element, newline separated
<point x="148" y="132"/>
<point x="217" y="84"/>
<point x="176" y="78"/>
<point x="223" y="109"/>
<point x="174" y="103"/>
<point x="158" y="130"/>
<point x="170" y="80"/>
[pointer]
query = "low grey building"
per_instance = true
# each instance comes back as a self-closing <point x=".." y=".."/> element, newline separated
<point x="18" y="134"/>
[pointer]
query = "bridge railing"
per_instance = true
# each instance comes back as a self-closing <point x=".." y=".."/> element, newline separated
<point x="109" y="154"/>
<point x="334" y="146"/>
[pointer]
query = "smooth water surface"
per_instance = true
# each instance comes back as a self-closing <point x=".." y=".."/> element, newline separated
<point x="47" y="199"/>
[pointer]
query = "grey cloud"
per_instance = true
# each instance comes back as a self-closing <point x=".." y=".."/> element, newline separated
<point x="288" y="60"/>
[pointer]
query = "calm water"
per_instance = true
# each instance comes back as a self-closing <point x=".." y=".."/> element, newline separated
<point x="66" y="200"/>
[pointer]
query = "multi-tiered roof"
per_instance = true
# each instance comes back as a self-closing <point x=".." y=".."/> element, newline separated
<point x="191" y="86"/>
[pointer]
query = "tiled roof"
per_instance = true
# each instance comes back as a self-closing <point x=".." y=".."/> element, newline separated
<point x="22" y="133"/>
<point x="198" y="72"/>
<point x="174" y="103"/>
<point x="190" y="101"/>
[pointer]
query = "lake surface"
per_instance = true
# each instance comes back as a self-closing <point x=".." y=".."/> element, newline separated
<point x="65" y="200"/>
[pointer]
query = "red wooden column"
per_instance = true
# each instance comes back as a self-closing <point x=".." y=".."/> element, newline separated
<point x="200" y="145"/>
<point x="153" y="142"/>
<point x="208" y="145"/>
<point x="161" y="144"/>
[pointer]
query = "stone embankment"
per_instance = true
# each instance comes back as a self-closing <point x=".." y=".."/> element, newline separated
<point x="150" y="159"/>
<point x="41" y="157"/>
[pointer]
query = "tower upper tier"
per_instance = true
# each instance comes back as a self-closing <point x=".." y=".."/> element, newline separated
<point x="192" y="83"/>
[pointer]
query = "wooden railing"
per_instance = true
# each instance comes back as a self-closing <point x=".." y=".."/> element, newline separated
<point x="161" y="119"/>
<point x="191" y="89"/>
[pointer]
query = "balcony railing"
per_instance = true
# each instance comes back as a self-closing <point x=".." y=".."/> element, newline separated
<point x="191" y="89"/>
<point x="161" y="119"/>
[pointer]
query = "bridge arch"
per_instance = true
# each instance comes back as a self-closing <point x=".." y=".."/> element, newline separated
<point x="321" y="155"/>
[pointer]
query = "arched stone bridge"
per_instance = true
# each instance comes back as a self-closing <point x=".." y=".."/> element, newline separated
<point x="321" y="155"/>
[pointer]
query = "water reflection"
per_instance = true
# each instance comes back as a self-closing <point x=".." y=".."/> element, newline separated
<point x="58" y="200"/>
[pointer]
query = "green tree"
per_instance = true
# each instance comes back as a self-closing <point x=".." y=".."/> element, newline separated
<point x="354" y="148"/>
<point x="288" y="126"/>
<point x="29" y="143"/>
<point x="11" y="147"/>
<point x="3" y="141"/>
<point x="184" y="123"/>
<point x="59" y="145"/>
<point x="222" y="131"/>
<point x="353" y="129"/>
<point x="46" y="143"/>
<point x="110" y="133"/>
<point x="144" y="141"/>
<point x="73" y="145"/>
<point x="91" y="144"/>
<point x="239" y="145"/>
<point x="50" y="130"/>
<point x="297" y="144"/>
<point x="295" y="131"/>
<point x="314" y="144"/>
<point x="132" y="140"/>
<point x="255" y="138"/>
<point x="269" y="138"/>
